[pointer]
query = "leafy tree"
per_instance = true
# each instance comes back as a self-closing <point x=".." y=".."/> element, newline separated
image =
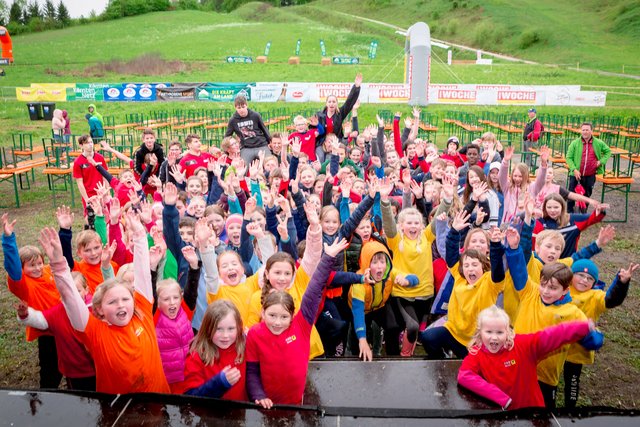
<point x="33" y="10"/>
<point x="49" y="11"/>
<point x="63" y="14"/>
<point x="4" y="13"/>
<point x="15" y="13"/>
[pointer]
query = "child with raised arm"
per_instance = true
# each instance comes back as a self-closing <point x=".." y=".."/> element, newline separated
<point x="477" y="283"/>
<point x="120" y="335"/>
<point x="545" y="301"/>
<point x="501" y="366"/>
<point x="216" y="364"/>
<point x="30" y="279"/>
<point x="278" y="347"/>
<point x="74" y="361"/>
<point x="593" y="303"/>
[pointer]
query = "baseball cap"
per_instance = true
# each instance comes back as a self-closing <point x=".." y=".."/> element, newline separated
<point x="532" y="110"/>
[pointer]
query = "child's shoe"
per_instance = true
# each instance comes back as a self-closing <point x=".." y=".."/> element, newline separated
<point x="407" y="347"/>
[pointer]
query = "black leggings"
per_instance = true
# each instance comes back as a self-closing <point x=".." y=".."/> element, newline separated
<point x="409" y="314"/>
<point x="50" y="376"/>
<point x="549" y="395"/>
<point x="572" y="373"/>
<point x="86" y="383"/>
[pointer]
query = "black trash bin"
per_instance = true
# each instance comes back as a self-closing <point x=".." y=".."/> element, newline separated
<point x="35" y="110"/>
<point x="47" y="110"/>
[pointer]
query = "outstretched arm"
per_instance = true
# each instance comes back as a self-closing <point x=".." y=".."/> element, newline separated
<point x="74" y="305"/>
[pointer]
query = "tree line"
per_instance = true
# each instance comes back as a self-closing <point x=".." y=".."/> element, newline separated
<point x="26" y="16"/>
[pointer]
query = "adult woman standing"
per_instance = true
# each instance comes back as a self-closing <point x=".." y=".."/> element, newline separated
<point x="332" y="116"/>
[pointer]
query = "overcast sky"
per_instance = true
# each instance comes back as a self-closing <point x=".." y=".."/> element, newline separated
<point x="80" y="7"/>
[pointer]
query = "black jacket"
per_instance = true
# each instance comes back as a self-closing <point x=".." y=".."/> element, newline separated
<point x="251" y="130"/>
<point x="143" y="151"/>
<point x="339" y="116"/>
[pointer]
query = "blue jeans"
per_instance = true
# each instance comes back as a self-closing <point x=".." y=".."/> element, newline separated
<point x="438" y="340"/>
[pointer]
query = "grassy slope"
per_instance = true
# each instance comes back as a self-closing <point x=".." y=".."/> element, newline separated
<point x="598" y="34"/>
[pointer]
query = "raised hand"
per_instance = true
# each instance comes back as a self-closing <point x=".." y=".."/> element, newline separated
<point x="296" y="147"/>
<point x="480" y="191"/>
<point x="601" y="207"/>
<point x="202" y="233"/>
<point x="376" y="161"/>
<point x="254" y="229"/>
<point x="606" y="235"/>
<point x="189" y="254"/>
<point x="496" y="235"/>
<point x="50" y="242"/>
<point x="345" y="188"/>
<point x="461" y="220"/>
<point x="254" y="168"/>
<point x="107" y="254"/>
<point x="513" y="238"/>
<point x="358" y="80"/>
<point x="380" y="121"/>
<point x="416" y="189"/>
<point x="102" y="190"/>
<point x="177" y="174"/>
<point x="134" y="224"/>
<point x="448" y="187"/>
<point x="374" y="186"/>
<point x="283" y="231"/>
<point x="114" y="211"/>
<point x="386" y="186"/>
<point x="7" y="225"/>
<point x="415" y="112"/>
<point x="508" y="153"/>
<point x="156" y="253"/>
<point x="64" y="217"/>
<point x="625" y="273"/>
<point x="284" y="205"/>
<point x="250" y="207"/>
<point x="240" y="166"/>
<point x="544" y="155"/>
<point x="480" y="216"/>
<point x="312" y="214"/>
<point x="154" y="181"/>
<point x="336" y="247"/>
<point x="170" y="194"/>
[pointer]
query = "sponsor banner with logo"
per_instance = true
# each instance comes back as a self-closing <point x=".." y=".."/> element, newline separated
<point x="578" y="99"/>
<point x="129" y="94"/>
<point x="223" y="92"/>
<point x="90" y="91"/>
<point x="147" y="85"/>
<point x="177" y="93"/>
<point x="47" y="94"/>
<point x="320" y="91"/>
<point x="394" y="93"/>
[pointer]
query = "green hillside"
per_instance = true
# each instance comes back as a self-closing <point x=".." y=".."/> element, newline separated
<point x="602" y="34"/>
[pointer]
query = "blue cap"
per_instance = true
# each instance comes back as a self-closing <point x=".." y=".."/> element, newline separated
<point x="532" y="110"/>
<point x="585" y="266"/>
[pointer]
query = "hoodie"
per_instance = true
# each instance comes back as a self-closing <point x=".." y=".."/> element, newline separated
<point x="96" y="114"/>
<point x="250" y="129"/>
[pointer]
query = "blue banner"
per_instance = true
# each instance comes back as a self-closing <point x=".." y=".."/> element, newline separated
<point x="129" y="94"/>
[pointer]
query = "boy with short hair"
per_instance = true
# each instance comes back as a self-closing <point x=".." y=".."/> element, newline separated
<point x="248" y="126"/>
<point x="86" y="175"/>
<point x="593" y="301"/>
<point x="195" y="157"/>
<point x="31" y="280"/>
<point x="148" y="146"/>
<point x="545" y="301"/>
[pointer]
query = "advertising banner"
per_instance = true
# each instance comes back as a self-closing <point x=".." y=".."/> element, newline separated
<point x="223" y="92"/>
<point x="177" y="93"/>
<point x="580" y="99"/>
<point x="129" y="94"/>
<point x="48" y="94"/>
<point x="90" y="91"/>
<point x="393" y="93"/>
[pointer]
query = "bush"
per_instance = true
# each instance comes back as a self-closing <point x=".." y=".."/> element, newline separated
<point x="530" y="37"/>
<point x="452" y="27"/>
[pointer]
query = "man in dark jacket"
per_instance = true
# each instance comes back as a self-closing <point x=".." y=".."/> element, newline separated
<point x="531" y="135"/>
<point x="250" y="129"/>
<point x="149" y="146"/>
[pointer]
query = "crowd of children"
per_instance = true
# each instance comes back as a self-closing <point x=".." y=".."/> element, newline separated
<point x="221" y="272"/>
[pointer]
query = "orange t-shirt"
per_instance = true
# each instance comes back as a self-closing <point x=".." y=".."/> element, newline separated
<point x="92" y="273"/>
<point x="40" y="294"/>
<point x="126" y="358"/>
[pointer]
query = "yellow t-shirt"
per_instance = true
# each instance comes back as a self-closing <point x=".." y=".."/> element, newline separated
<point x="297" y="290"/>
<point x="239" y="295"/>
<point x="467" y="301"/>
<point x="592" y="304"/>
<point x="534" y="316"/>
<point x="412" y="261"/>
<point x="511" y="297"/>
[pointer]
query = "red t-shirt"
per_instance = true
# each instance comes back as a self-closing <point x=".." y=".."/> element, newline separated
<point x="127" y="358"/>
<point x="88" y="173"/>
<point x="74" y="361"/>
<point x="196" y="373"/>
<point x="308" y="140"/>
<point x="283" y="359"/>
<point x="190" y="162"/>
<point x="513" y="372"/>
<point x="329" y="125"/>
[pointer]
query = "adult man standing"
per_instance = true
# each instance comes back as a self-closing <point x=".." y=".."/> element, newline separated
<point x="531" y="134"/>
<point x="586" y="157"/>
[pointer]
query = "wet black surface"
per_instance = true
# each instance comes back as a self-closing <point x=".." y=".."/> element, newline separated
<point x="339" y="393"/>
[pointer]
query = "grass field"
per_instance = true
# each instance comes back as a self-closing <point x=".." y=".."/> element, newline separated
<point x="201" y="40"/>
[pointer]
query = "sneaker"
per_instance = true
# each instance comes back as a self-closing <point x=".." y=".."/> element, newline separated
<point x="407" y="347"/>
<point x="340" y="350"/>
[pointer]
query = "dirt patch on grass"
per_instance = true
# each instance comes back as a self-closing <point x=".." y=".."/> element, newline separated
<point x="149" y="64"/>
